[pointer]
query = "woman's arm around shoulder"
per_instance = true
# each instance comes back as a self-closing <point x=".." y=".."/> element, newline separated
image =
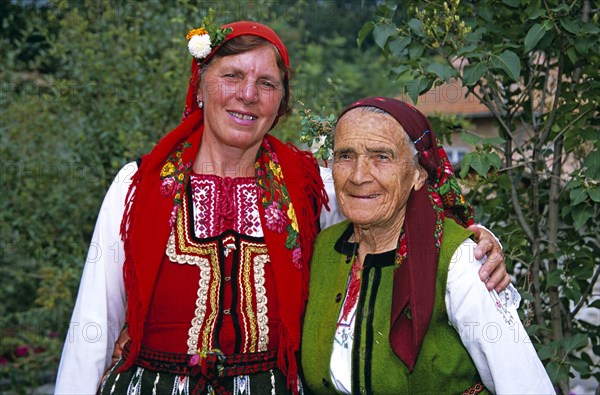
<point x="491" y="331"/>
<point x="334" y="214"/>
<point x="99" y="312"/>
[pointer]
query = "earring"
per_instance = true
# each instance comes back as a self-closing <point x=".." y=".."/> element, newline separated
<point x="200" y="104"/>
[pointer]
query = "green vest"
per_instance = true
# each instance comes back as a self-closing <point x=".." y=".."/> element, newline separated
<point x="443" y="366"/>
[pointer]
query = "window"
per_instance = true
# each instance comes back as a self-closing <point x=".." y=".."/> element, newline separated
<point x="455" y="154"/>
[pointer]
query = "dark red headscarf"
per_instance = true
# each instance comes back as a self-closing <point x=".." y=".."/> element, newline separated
<point x="152" y="204"/>
<point x="414" y="280"/>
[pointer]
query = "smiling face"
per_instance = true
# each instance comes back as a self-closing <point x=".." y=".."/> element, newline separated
<point x="374" y="170"/>
<point x="241" y="94"/>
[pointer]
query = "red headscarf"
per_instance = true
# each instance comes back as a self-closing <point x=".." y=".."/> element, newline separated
<point x="150" y="209"/>
<point x="414" y="281"/>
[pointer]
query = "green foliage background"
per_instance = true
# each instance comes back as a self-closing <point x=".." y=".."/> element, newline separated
<point x="87" y="86"/>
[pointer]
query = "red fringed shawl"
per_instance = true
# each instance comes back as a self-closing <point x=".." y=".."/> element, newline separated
<point x="146" y="228"/>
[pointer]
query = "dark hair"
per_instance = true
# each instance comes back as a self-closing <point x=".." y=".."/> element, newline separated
<point x="247" y="43"/>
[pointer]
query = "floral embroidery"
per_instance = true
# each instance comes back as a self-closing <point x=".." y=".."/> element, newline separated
<point x="402" y="249"/>
<point x="292" y="216"/>
<point x="439" y="209"/>
<point x="276" y="219"/>
<point x="168" y="187"/>
<point x="280" y="215"/>
<point x="210" y="198"/>
<point x="173" y="176"/>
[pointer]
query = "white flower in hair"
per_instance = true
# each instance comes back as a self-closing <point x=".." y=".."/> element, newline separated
<point x="199" y="45"/>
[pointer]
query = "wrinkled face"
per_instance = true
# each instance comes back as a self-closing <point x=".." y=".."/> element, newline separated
<point x="374" y="171"/>
<point x="241" y="95"/>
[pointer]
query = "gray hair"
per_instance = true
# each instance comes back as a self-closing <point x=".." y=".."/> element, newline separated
<point x="409" y="142"/>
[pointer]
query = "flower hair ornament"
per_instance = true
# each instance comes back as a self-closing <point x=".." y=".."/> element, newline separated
<point x="202" y="41"/>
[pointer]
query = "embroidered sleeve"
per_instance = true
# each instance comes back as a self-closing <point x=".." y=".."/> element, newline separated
<point x="490" y="329"/>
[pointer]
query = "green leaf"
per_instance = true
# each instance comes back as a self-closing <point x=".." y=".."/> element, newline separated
<point x="583" y="45"/>
<point x="547" y="351"/>
<point x="575" y="342"/>
<point x="594" y="193"/>
<point x="570" y="25"/>
<point x="592" y="164"/>
<point x="442" y="71"/>
<point x="581" y="215"/>
<point x="547" y="40"/>
<point x="572" y="54"/>
<point x="466" y="50"/>
<point x="485" y="12"/>
<point x="534" y="35"/>
<point x="566" y="211"/>
<point x="504" y="182"/>
<point x="509" y="62"/>
<point x="579" y="365"/>
<point x="595" y="304"/>
<point x="553" y="279"/>
<point x="577" y="196"/>
<point x="573" y="183"/>
<point x="386" y="9"/>
<point x="582" y="271"/>
<point x="512" y="3"/>
<point x="534" y="10"/>
<point x="364" y="32"/>
<point x="557" y="372"/>
<point x="494" y="140"/>
<point x="415" y="26"/>
<point x="479" y="162"/>
<point x="382" y="32"/>
<point x="562" y="7"/>
<point x="415" y="51"/>
<point x="418" y="86"/>
<point x="471" y="138"/>
<point x="401" y="69"/>
<point x="589" y="28"/>
<point x="472" y="73"/>
<point x="495" y="160"/>
<point x="398" y="44"/>
<point x="412" y="87"/>
<point x="572" y="291"/>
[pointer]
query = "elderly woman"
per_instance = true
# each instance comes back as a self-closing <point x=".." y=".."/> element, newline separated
<point x="210" y="271"/>
<point x="395" y="302"/>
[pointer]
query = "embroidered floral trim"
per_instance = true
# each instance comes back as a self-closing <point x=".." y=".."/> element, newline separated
<point x="402" y="249"/>
<point x="436" y="202"/>
<point x="262" y="318"/>
<point x="203" y="40"/>
<point x="173" y="177"/>
<point x="218" y="208"/>
<point x="203" y="285"/>
<point x="502" y="306"/>
<point x="280" y="215"/>
<point x="204" y="255"/>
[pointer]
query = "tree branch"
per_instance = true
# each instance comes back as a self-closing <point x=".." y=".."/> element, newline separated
<point x="520" y="216"/>
<point x="550" y="121"/>
<point x="587" y="292"/>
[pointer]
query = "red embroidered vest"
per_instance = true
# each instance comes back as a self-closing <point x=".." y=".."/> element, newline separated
<point x="215" y="287"/>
